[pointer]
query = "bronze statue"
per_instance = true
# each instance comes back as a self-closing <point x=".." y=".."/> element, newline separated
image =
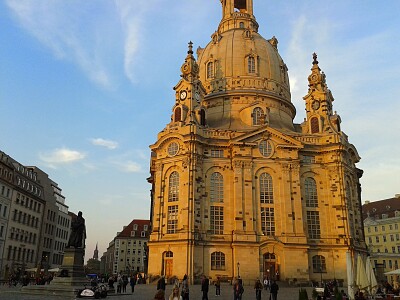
<point x="78" y="232"/>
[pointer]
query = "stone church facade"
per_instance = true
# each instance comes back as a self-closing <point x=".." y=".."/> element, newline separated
<point x="238" y="189"/>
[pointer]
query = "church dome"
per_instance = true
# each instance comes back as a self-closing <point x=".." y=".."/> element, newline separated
<point x="238" y="60"/>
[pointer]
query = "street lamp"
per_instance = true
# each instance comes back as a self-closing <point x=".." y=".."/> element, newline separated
<point x="238" y="266"/>
<point x="320" y="272"/>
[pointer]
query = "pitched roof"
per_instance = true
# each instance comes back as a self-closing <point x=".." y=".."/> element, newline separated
<point x="375" y="209"/>
<point x="126" y="232"/>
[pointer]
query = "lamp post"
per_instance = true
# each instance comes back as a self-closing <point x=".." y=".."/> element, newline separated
<point x="320" y="272"/>
<point x="238" y="266"/>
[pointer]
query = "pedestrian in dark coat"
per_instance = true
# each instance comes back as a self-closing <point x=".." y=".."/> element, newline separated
<point x="161" y="284"/>
<point x="204" y="287"/>
<point x="274" y="290"/>
<point x="258" y="287"/>
<point x="133" y="283"/>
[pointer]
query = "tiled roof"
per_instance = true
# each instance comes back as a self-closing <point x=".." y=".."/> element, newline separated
<point x="375" y="209"/>
<point x="126" y="232"/>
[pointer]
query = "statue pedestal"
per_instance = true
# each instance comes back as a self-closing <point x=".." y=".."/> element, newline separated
<point x="72" y="277"/>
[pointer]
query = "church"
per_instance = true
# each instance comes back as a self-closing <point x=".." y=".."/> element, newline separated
<point x="239" y="189"/>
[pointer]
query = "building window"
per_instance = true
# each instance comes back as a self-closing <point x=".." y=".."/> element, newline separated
<point x="173" y="149"/>
<point x="313" y="225"/>
<point x="319" y="264"/>
<point x="172" y="219"/>
<point x="217" y="153"/>
<point x="173" y="194"/>
<point x="210" y="70"/>
<point x="266" y="189"/>
<point x="265" y="148"/>
<point x="143" y="234"/>
<point x="178" y="114"/>
<point x="314" y="125"/>
<point x="216" y="187"/>
<point x="135" y="226"/>
<point x="268" y="221"/>
<point x="310" y="187"/>
<point x="217" y="219"/>
<point x="217" y="261"/>
<point x="257" y="115"/>
<point x="251" y="64"/>
<point x="202" y="117"/>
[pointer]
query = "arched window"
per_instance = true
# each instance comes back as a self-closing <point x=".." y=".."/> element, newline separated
<point x="319" y="264"/>
<point x="210" y="70"/>
<point x="173" y="191"/>
<point x="178" y="114"/>
<point x="266" y="190"/>
<point x="202" y="117"/>
<point x="216" y="187"/>
<point x="314" y="125"/>
<point x="310" y="191"/>
<point x="217" y="261"/>
<point x="241" y="25"/>
<point x="268" y="221"/>
<point x="251" y="64"/>
<point x="257" y="116"/>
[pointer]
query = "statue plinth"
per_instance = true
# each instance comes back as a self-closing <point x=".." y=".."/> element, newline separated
<point x="71" y="279"/>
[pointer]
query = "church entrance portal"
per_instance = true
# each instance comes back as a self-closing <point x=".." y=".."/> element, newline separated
<point x="270" y="266"/>
<point x="168" y="264"/>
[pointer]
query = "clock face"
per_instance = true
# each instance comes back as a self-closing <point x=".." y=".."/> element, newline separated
<point x="183" y="95"/>
<point x="315" y="105"/>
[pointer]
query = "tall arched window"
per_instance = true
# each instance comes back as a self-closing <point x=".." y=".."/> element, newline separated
<point x="217" y="261"/>
<point x="310" y="191"/>
<point x="251" y="64"/>
<point x="173" y="191"/>
<point x="210" y="69"/>
<point x="177" y="115"/>
<point x="257" y="114"/>
<point x="314" y="125"/>
<point x="266" y="189"/>
<point x="319" y="264"/>
<point x="216" y="187"/>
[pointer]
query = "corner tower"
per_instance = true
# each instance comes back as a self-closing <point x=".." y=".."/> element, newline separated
<point x="237" y="187"/>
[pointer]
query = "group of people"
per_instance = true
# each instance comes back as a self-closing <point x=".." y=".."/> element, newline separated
<point x="122" y="282"/>
<point x="180" y="291"/>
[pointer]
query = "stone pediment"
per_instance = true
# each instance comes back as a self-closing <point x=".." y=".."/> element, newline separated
<point x="268" y="133"/>
<point x="370" y="221"/>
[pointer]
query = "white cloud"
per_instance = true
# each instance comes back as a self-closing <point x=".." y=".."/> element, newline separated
<point x="105" y="143"/>
<point x="61" y="156"/>
<point x="131" y="18"/>
<point x="69" y="30"/>
<point x="130" y="167"/>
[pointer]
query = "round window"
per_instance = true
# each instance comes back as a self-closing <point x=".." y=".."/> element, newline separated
<point x="173" y="149"/>
<point x="265" y="148"/>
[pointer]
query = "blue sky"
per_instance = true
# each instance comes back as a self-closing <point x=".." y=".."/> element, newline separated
<point x="85" y="86"/>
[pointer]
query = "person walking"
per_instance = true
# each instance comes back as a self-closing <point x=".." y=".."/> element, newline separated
<point x="238" y="289"/>
<point x="258" y="287"/>
<point x="161" y="284"/>
<point x="266" y="283"/>
<point x="218" y="287"/>
<point x="185" y="288"/>
<point x="204" y="287"/>
<point x="133" y="283"/>
<point x="274" y="290"/>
